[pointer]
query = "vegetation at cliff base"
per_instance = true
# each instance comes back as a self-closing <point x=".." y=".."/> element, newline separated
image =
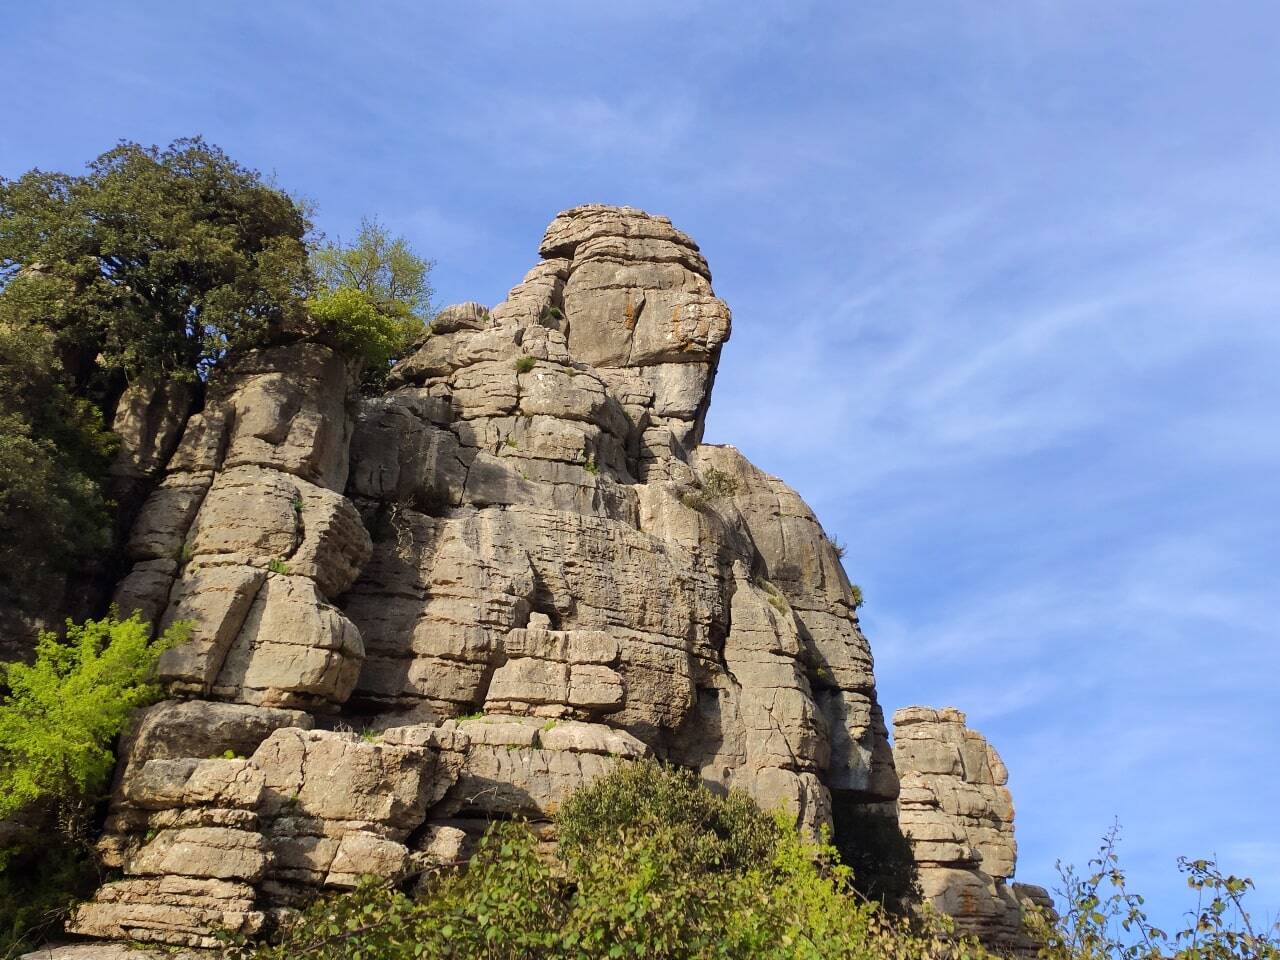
<point x="59" y="720"/>
<point x="1103" y="919"/>
<point x="651" y="864"/>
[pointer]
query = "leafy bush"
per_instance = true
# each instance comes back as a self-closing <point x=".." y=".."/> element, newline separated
<point x="63" y="711"/>
<point x="361" y="328"/>
<point x="1104" y="919"/>
<point x="723" y="833"/>
<point x="58" y="722"/>
<point x="652" y="866"/>
<point x="719" y="485"/>
<point x="525" y="364"/>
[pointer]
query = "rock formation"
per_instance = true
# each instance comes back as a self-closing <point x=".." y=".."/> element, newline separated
<point x="469" y="596"/>
<point x="956" y="810"/>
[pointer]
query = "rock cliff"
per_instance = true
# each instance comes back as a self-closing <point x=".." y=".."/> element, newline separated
<point x="470" y="595"/>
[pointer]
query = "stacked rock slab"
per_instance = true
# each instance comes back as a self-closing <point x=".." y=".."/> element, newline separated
<point x="957" y="812"/>
<point x="513" y="570"/>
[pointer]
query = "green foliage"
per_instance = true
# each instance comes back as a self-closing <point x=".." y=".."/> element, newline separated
<point x="774" y="596"/>
<point x="154" y="262"/>
<point x="856" y="592"/>
<point x="676" y="873"/>
<point x="525" y="364"/>
<point x="591" y="466"/>
<point x="58" y="722"/>
<point x="382" y="267"/>
<point x="722" y="833"/>
<point x="54" y="451"/>
<point x="276" y="565"/>
<point x="719" y="485"/>
<point x="360" y="328"/>
<point x="63" y="711"/>
<point x="1104" y="920"/>
<point x="713" y="485"/>
<point x="374" y="298"/>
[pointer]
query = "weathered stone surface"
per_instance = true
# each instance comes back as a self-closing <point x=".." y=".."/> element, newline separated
<point x="169" y="909"/>
<point x="163" y="784"/>
<point x="149" y="419"/>
<point x="287" y="410"/>
<point x="214" y="852"/>
<point x="215" y="601"/>
<point x="526" y="525"/>
<point x="528" y="767"/>
<point x="294" y="649"/>
<point x="336" y="776"/>
<point x="955" y="809"/>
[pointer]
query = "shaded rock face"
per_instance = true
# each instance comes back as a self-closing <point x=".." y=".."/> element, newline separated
<point x="956" y="810"/>
<point x="515" y="569"/>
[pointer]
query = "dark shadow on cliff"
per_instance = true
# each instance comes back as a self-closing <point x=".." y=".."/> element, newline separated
<point x="872" y="844"/>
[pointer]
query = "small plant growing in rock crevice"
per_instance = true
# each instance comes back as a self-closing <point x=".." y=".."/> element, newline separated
<point x="276" y="565"/>
<point x="525" y="364"/>
<point x="591" y="466"/>
<point x="719" y="485"/>
<point x="855" y="593"/>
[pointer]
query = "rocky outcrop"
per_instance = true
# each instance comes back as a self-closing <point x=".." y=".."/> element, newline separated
<point x="468" y="597"/>
<point x="957" y="812"/>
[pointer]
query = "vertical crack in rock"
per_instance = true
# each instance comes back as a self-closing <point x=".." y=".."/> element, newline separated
<point x="511" y="571"/>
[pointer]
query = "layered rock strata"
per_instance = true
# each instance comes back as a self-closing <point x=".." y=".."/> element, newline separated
<point x="956" y="810"/>
<point x="469" y="596"/>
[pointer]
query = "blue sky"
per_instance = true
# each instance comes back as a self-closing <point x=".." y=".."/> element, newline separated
<point x="1005" y="288"/>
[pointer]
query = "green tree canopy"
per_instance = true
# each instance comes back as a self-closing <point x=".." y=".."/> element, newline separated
<point x="374" y="298"/>
<point x="382" y="267"/>
<point x="53" y="452"/>
<point x="154" y="262"/>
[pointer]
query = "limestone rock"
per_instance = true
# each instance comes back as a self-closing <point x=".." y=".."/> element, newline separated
<point x="516" y="569"/>
<point x="957" y="813"/>
<point x="294" y="649"/>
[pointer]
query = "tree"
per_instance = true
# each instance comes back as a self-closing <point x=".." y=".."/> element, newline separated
<point x="382" y="267"/>
<point x="155" y="262"/>
<point x="54" y="450"/>
<point x="152" y="264"/>
<point x="374" y="298"/>
<point x="58" y="723"/>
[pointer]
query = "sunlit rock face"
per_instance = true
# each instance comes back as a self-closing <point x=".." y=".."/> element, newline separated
<point x="394" y="597"/>
<point x="957" y="812"/>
